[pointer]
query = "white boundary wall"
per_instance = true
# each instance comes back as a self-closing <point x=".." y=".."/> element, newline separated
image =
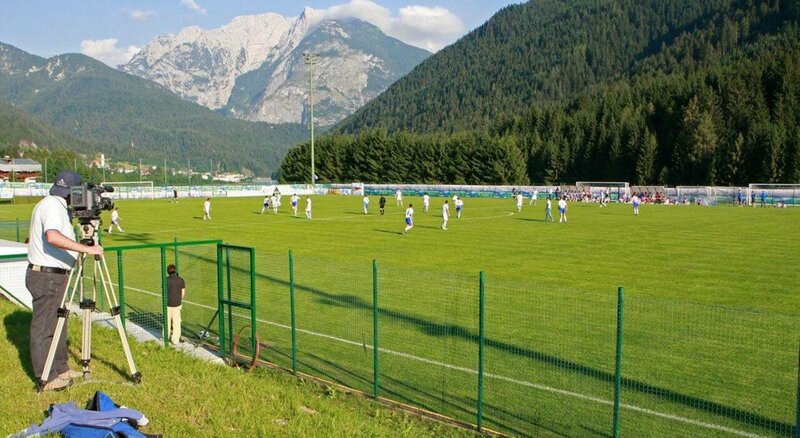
<point x="12" y="273"/>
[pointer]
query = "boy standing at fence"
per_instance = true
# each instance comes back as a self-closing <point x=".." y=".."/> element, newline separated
<point x="176" y="291"/>
<point x="409" y="218"/>
<point x="426" y="202"/>
<point x="115" y="221"/>
<point x="635" y="201"/>
<point x="207" y="209"/>
<point x="399" y="197"/>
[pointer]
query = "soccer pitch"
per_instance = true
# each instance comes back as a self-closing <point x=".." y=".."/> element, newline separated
<point x="728" y="362"/>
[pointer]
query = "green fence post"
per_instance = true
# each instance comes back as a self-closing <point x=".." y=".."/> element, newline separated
<point x="177" y="266"/>
<point x="220" y="311"/>
<point x="229" y="298"/>
<point x="253" y="299"/>
<point x="291" y="309"/>
<point x="17" y="230"/>
<point x="164" y="294"/>
<point x="481" y="342"/>
<point x="121" y="286"/>
<point x="618" y="366"/>
<point x="375" y="349"/>
<point x="797" y="405"/>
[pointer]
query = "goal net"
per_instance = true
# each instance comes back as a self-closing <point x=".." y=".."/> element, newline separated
<point x="773" y="194"/>
<point x="699" y="195"/>
<point x="616" y="190"/>
<point x="131" y="189"/>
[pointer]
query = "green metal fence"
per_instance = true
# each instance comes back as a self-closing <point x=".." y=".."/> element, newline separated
<point x="523" y="358"/>
<point x="14" y="230"/>
<point x="139" y="274"/>
<point x="531" y="358"/>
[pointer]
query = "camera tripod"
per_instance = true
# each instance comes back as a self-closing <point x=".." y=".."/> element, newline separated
<point x="75" y="286"/>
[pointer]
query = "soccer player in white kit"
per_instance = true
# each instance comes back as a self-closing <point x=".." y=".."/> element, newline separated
<point x="445" y="214"/>
<point x="115" y="221"/>
<point x="548" y="210"/>
<point x="534" y="196"/>
<point x="426" y="202"/>
<point x="459" y="207"/>
<point x="366" y="204"/>
<point x="207" y="209"/>
<point x="274" y="203"/>
<point x="399" y="197"/>
<point x="562" y="209"/>
<point x="308" y="208"/>
<point x="635" y="201"/>
<point x="519" y="202"/>
<point x="266" y="204"/>
<point x="409" y="218"/>
<point x="295" y="203"/>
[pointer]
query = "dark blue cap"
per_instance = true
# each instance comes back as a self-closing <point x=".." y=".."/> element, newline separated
<point x="64" y="180"/>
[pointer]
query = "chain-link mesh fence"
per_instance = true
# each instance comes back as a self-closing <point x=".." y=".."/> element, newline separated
<point x="711" y="369"/>
<point x="549" y="353"/>
<point x="14" y="230"/>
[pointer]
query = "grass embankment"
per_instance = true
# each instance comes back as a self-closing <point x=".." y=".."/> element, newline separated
<point x="183" y="396"/>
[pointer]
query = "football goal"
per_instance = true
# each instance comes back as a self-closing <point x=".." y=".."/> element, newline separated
<point x="774" y="194"/>
<point x="700" y="195"/>
<point x="131" y="189"/>
<point x="616" y="190"/>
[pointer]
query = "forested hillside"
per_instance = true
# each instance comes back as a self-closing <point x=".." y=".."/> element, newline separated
<point x="97" y="104"/>
<point x="687" y="93"/>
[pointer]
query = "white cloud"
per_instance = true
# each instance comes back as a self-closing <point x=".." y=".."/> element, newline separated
<point x="141" y="14"/>
<point x="106" y="51"/>
<point x="191" y="4"/>
<point x="430" y="28"/>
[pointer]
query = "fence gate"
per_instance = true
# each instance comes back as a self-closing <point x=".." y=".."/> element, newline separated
<point x="237" y="301"/>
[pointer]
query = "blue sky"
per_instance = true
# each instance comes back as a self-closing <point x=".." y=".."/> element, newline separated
<point x="112" y="30"/>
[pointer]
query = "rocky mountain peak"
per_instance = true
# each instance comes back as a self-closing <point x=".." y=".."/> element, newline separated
<point x="253" y="68"/>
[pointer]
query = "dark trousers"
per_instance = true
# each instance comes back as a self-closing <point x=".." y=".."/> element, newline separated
<point x="47" y="290"/>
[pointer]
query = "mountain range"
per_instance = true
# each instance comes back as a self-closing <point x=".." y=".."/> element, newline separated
<point x="253" y="68"/>
<point x="130" y="118"/>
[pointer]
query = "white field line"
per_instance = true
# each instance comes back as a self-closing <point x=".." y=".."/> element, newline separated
<point x="491" y="375"/>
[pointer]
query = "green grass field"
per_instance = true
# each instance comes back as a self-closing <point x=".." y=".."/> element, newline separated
<point x="710" y="336"/>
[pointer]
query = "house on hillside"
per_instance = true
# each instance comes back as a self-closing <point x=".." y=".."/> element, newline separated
<point x="19" y="169"/>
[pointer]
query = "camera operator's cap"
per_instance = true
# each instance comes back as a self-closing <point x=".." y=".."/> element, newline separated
<point x="64" y="180"/>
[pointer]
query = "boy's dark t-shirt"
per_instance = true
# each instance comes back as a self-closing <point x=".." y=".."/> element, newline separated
<point x="175" y="286"/>
<point x="382" y="202"/>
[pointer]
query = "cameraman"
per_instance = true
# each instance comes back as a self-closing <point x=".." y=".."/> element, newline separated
<point x="52" y="251"/>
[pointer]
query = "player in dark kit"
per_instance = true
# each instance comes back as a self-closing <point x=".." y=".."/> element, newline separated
<point x="382" y="204"/>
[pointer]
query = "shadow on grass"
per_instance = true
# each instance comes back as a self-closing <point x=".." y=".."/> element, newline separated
<point x="452" y="330"/>
<point x="132" y="237"/>
<point x="530" y="219"/>
<point x="389" y="232"/>
<point x="17" y="325"/>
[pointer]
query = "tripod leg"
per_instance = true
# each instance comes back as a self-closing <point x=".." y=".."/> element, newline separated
<point x="87" y="307"/>
<point x="108" y="289"/>
<point x="63" y="313"/>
